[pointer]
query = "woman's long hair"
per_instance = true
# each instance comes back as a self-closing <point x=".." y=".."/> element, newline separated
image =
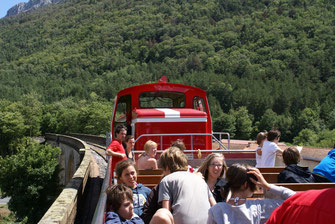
<point x="203" y="169"/>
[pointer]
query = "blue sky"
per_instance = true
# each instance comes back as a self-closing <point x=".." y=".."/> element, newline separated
<point x="7" y="4"/>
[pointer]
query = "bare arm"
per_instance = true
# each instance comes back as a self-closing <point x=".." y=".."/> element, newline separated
<point x="260" y="179"/>
<point x="259" y="151"/>
<point x="166" y="204"/>
<point x="109" y="152"/>
<point x="212" y="201"/>
<point x="152" y="163"/>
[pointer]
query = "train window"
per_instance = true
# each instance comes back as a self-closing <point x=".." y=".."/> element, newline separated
<point x="199" y="103"/>
<point x="162" y="99"/>
<point x="123" y="109"/>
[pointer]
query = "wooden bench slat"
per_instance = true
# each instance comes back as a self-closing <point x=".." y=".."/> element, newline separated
<point x="150" y="172"/>
<point x="276" y="169"/>
<point x="149" y="179"/>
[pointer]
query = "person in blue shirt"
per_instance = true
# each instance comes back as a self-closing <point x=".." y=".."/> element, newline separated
<point x="120" y="209"/>
<point x="326" y="168"/>
<point x="126" y="174"/>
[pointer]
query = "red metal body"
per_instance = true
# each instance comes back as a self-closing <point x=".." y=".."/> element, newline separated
<point x="164" y="108"/>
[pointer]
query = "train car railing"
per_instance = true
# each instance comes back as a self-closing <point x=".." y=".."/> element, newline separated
<point x="191" y="135"/>
<point x="99" y="214"/>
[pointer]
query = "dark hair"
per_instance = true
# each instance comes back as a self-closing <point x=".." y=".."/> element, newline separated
<point x="291" y="155"/>
<point x="124" y="164"/>
<point x="174" y="159"/>
<point x="128" y="137"/>
<point x="179" y="144"/>
<point x="119" y="128"/>
<point x="237" y="175"/>
<point x="116" y="195"/>
<point x="273" y="134"/>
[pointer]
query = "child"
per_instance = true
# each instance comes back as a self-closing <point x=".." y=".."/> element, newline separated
<point x="270" y="148"/>
<point x="241" y="184"/>
<point x="185" y="194"/>
<point x="261" y="137"/>
<point x="294" y="173"/>
<point x="126" y="174"/>
<point x="120" y="206"/>
<point x="147" y="160"/>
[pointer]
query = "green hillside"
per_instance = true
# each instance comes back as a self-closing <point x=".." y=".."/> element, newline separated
<point x="266" y="63"/>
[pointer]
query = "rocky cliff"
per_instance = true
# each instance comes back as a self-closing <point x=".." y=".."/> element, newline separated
<point x="32" y="4"/>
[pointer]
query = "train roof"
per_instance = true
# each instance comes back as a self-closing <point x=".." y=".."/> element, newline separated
<point x="162" y="86"/>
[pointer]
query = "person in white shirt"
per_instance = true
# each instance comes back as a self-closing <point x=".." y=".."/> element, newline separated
<point x="270" y="148"/>
<point x="261" y="137"/>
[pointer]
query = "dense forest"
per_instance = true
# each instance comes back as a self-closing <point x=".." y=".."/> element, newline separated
<point x="264" y="64"/>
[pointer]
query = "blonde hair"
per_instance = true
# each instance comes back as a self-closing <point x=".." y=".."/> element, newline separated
<point x="174" y="159"/>
<point x="148" y="144"/>
<point x="203" y="169"/>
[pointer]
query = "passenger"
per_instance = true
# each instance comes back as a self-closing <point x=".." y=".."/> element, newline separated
<point x="261" y="137"/>
<point x="147" y="160"/>
<point x="129" y="146"/>
<point x="241" y="184"/>
<point x="126" y="174"/>
<point x="179" y="143"/>
<point x="213" y="169"/>
<point x="325" y="171"/>
<point x="120" y="209"/>
<point x="293" y="173"/>
<point x="115" y="149"/>
<point x="270" y="148"/>
<point x="183" y="193"/>
<point x="308" y="207"/>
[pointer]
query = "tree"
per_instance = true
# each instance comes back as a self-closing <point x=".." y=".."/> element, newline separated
<point x="243" y="123"/>
<point x="225" y="123"/>
<point x="306" y="137"/>
<point x="30" y="178"/>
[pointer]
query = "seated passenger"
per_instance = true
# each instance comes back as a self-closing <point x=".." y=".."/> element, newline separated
<point x="181" y="145"/>
<point x="183" y="193"/>
<point x="308" y="207"/>
<point x="325" y="171"/>
<point x="126" y="174"/>
<point x="129" y="144"/>
<point x="293" y="173"/>
<point x="213" y="169"/>
<point x="147" y="160"/>
<point x="120" y="209"/>
<point x="241" y="184"/>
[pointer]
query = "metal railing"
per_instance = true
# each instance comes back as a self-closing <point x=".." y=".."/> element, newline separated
<point x="191" y="135"/>
<point x="99" y="214"/>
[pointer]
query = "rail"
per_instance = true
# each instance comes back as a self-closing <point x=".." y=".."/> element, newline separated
<point x="99" y="214"/>
<point x="191" y="135"/>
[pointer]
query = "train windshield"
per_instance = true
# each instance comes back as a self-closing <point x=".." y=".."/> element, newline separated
<point x="162" y="99"/>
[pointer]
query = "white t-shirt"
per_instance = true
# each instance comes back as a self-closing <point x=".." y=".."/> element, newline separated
<point x="258" y="158"/>
<point x="269" y="150"/>
<point x="252" y="211"/>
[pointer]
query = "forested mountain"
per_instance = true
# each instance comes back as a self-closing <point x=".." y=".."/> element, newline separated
<point x="263" y="63"/>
